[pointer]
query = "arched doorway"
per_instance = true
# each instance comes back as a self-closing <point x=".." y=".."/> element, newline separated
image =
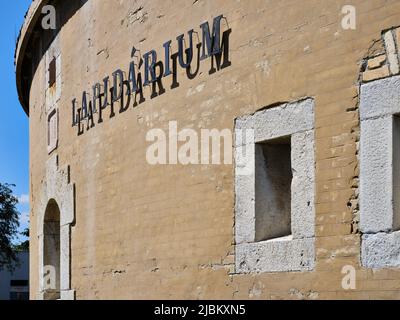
<point x="55" y="217"/>
<point x="51" y="248"/>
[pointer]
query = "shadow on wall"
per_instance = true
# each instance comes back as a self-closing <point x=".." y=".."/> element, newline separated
<point x="51" y="255"/>
<point x="218" y="62"/>
<point x="40" y="40"/>
<point x="66" y="9"/>
<point x="132" y="89"/>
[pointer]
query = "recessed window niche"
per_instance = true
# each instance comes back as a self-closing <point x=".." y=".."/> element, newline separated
<point x="274" y="206"/>
<point x="273" y="178"/>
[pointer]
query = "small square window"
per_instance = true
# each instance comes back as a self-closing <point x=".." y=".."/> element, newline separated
<point x="19" y="283"/>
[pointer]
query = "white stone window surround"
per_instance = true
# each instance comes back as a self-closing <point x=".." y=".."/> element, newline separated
<point x="379" y="173"/>
<point x="295" y="252"/>
<point x="53" y="94"/>
<point x="52" y="130"/>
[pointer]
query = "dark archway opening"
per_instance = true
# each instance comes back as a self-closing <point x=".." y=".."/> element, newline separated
<point x="51" y="251"/>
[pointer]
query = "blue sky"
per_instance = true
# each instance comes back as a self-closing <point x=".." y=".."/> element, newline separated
<point x="14" y="125"/>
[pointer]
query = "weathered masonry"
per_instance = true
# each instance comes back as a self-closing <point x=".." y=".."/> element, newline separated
<point x="154" y="70"/>
<point x="309" y="206"/>
<point x="275" y="217"/>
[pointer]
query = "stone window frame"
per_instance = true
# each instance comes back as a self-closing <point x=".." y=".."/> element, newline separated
<point x="294" y="253"/>
<point x="53" y="92"/>
<point x="379" y="104"/>
<point x="52" y="130"/>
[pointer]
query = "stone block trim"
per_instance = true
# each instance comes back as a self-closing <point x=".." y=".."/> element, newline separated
<point x="380" y="98"/>
<point x="295" y="252"/>
<point x="381" y="250"/>
<point x="53" y="93"/>
<point x="376" y="175"/>
<point x="52" y="130"/>
<point x="285" y="254"/>
<point x="57" y="186"/>
<point x="379" y="158"/>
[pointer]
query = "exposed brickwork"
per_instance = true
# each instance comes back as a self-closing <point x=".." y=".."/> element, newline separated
<point x="386" y="64"/>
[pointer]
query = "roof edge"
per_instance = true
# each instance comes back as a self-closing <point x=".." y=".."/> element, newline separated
<point x="31" y="19"/>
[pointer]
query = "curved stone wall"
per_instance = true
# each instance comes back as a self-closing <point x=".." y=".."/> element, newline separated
<point x="166" y="227"/>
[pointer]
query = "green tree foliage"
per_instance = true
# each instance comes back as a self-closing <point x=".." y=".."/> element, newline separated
<point x="8" y="227"/>
<point x="23" y="246"/>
